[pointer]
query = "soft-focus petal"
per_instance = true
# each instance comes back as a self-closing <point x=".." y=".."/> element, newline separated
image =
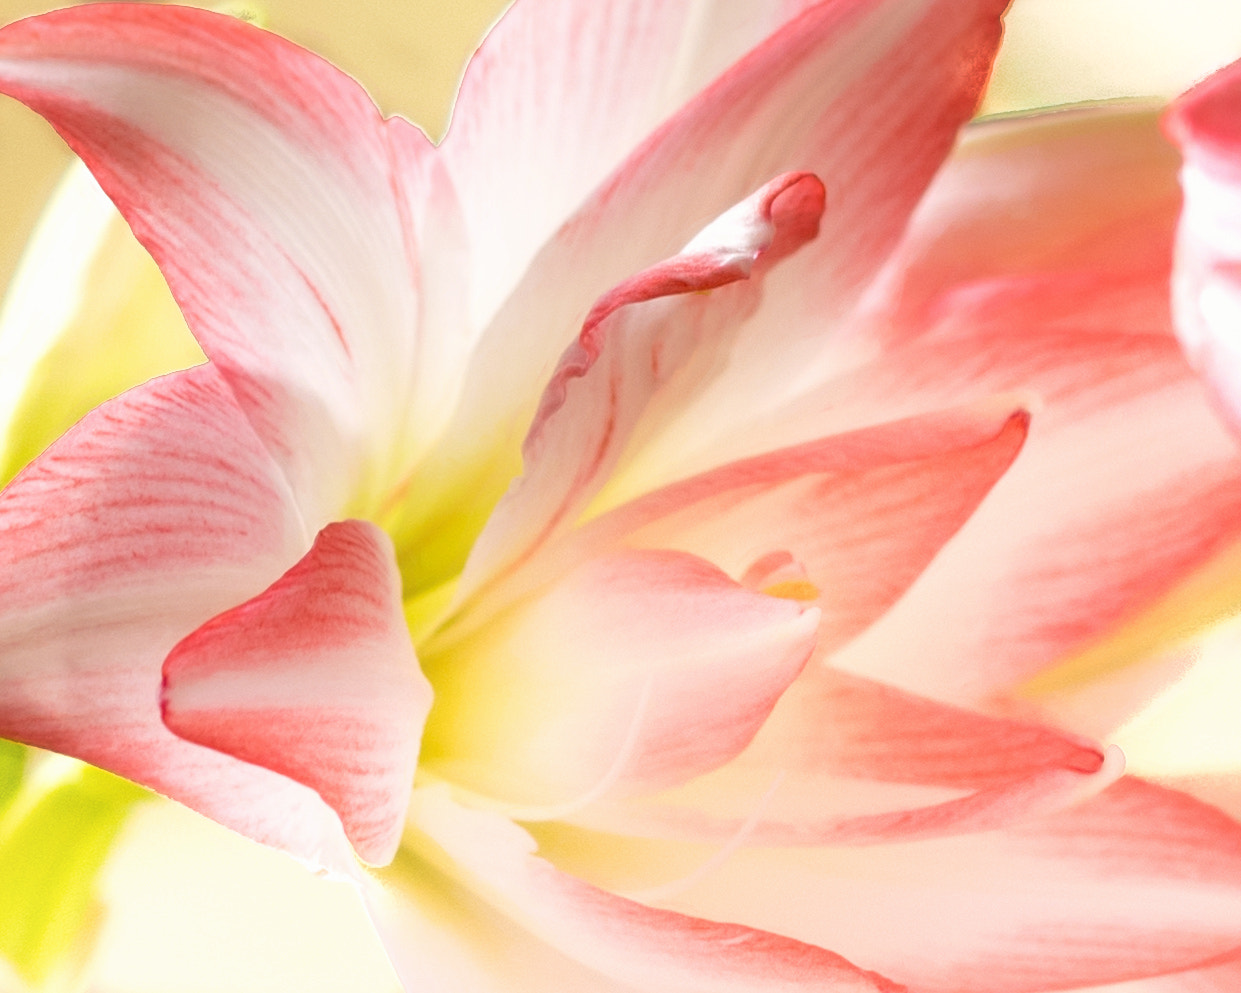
<point x="1136" y="882"/>
<point x="442" y="937"/>
<point x="260" y="179"/>
<point x="1127" y="483"/>
<point x="637" y="670"/>
<point x="1222" y="977"/>
<point x="651" y="949"/>
<point x="315" y="679"/>
<point x="158" y="511"/>
<point x="846" y="760"/>
<point x="1207" y="283"/>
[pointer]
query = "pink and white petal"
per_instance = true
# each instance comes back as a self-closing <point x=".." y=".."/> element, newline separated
<point x="1221" y="977"/>
<point x="652" y="340"/>
<point x="158" y="510"/>
<point x="1137" y="882"/>
<point x="624" y="940"/>
<point x="316" y="679"/>
<point x="1079" y="204"/>
<point x="1207" y="281"/>
<point x="1061" y="222"/>
<point x="436" y="242"/>
<point x="1127" y="485"/>
<point x="843" y="760"/>
<point x="260" y="179"/>
<point x="867" y="94"/>
<point x="563" y="92"/>
<point x="831" y="512"/>
<point x="635" y="671"/>
<point x="862" y="513"/>
<point x="442" y="937"/>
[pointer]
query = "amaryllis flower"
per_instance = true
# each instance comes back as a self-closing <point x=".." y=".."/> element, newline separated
<point x="671" y="524"/>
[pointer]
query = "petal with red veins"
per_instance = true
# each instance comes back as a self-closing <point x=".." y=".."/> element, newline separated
<point x="862" y="513"/>
<point x="624" y="940"/>
<point x="1207" y="280"/>
<point x="1135" y="882"/>
<point x="157" y="511"/>
<point x="1127" y="484"/>
<point x="261" y="180"/>
<point x="564" y="91"/>
<point x="844" y="760"/>
<point x="316" y="679"/>
<point x="1056" y="224"/>
<point x="634" y="671"/>
<point x="867" y="94"/>
<point x="637" y="339"/>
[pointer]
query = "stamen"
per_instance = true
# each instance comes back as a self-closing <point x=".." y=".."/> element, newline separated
<point x="780" y="575"/>
<point x="793" y="589"/>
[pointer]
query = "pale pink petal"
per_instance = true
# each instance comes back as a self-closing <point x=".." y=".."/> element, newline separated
<point x="158" y="510"/>
<point x="624" y="940"/>
<point x="653" y="339"/>
<point x="1136" y="882"/>
<point x="1127" y="484"/>
<point x="848" y="522"/>
<point x="843" y="760"/>
<point x="316" y="679"/>
<point x="1214" y="977"/>
<point x="564" y="91"/>
<point x="637" y="670"/>
<point x="867" y="94"/>
<point x="1207" y="282"/>
<point x="862" y="513"/>
<point x="1079" y="206"/>
<point x="442" y="937"/>
<point x="261" y="180"/>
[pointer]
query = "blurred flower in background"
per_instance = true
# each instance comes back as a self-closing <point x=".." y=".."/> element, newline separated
<point x="233" y="916"/>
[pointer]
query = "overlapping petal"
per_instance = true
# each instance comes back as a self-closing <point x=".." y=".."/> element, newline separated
<point x="169" y="510"/>
<point x="1136" y="882"/>
<point x="765" y="529"/>
<point x="626" y="941"/>
<point x="634" y="671"/>
<point x="1127" y="482"/>
<point x="865" y="95"/>
<point x="844" y="760"/>
<point x="654" y="339"/>
<point x="315" y="679"/>
<point x="261" y="180"/>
